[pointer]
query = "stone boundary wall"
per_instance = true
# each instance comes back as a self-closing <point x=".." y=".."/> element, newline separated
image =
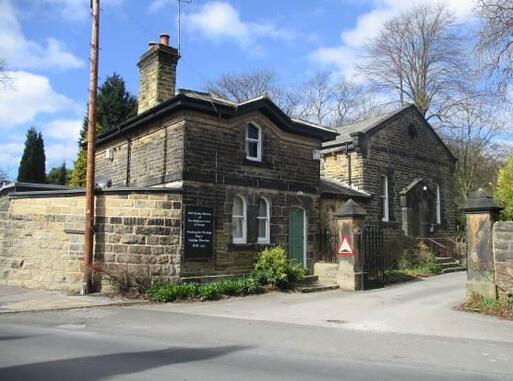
<point x="41" y="237"/>
<point x="503" y="256"/>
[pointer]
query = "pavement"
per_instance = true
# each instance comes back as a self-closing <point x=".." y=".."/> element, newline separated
<point x="405" y="332"/>
<point x="16" y="299"/>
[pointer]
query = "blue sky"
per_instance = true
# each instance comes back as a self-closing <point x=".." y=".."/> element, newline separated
<point x="46" y="45"/>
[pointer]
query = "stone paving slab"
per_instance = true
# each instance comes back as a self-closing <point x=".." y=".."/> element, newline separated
<point x="17" y="299"/>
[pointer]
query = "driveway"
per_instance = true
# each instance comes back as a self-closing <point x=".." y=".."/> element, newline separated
<point x="424" y="307"/>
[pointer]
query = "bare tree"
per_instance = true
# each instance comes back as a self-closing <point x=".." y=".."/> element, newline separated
<point x="244" y="86"/>
<point x="470" y="132"/>
<point x="4" y="177"/>
<point x="319" y="99"/>
<point x="495" y="43"/>
<point x="354" y="102"/>
<point x="4" y="78"/>
<point x="418" y="56"/>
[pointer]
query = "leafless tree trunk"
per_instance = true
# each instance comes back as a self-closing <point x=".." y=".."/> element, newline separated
<point x="418" y="56"/>
<point x="495" y="43"/>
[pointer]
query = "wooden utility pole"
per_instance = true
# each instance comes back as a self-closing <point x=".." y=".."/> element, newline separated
<point x="91" y="148"/>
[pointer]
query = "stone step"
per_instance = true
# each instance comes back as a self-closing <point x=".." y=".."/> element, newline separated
<point x="308" y="279"/>
<point x="453" y="269"/>
<point x="317" y="287"/>
<point x="450" y="264"/>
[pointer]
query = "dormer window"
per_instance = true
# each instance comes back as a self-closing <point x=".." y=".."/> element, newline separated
<point x="253" y="142"/>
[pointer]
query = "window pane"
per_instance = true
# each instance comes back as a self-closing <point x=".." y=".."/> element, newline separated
<point x="237" y="227"/>
<point x="237" y="207"/>
<point x="262" y="208"/>
<point x="383" y="185"/>
<point x="252" y="132"/>
<point x="262" y="231"/>
<point x="252" y="149"/>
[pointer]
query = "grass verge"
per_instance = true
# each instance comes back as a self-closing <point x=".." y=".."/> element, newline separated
<point x="501" y="308"/>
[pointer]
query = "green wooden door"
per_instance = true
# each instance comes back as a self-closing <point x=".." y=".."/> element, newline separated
<point x="297" y="236"/>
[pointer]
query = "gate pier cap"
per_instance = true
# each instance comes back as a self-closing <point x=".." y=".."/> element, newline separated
<point x="351" y="209"/>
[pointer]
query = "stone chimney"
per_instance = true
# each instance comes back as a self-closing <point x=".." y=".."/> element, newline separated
<point x="157" y="73"/>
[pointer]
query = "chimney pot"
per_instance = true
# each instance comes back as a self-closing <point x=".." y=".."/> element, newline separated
<point x="164" y="39"/>
<point x="152" y="44"/>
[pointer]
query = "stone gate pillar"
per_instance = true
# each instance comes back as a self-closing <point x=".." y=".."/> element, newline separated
<point x="349" y="224"/>
<point x="481" y="212"/>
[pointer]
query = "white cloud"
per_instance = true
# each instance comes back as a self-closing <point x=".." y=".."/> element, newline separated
<point x="10" y="154"/>
<point x="344" y="57"/>
<point x="75" y="10"/>
<point x="56" y="153"/>
<point x="217" y="20"/>
<point x="157" y="5"/>
<point x="22" y="53"/>
<point x="63" y="129"/>
<point x="29" y="95"/>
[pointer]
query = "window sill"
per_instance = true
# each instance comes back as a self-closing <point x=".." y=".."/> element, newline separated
<point x="247" y="246"/>
<point x="255" y="163"/>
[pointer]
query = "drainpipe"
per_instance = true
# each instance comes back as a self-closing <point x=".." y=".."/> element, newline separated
<point x="349" y="174"/>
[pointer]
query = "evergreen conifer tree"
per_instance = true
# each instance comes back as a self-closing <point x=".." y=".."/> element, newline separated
<point x="33" y="161"/>
<point x="58" y="175"/>
<point x="115" y="105"/>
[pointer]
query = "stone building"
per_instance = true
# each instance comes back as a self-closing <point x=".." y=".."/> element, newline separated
<point x="248" y="165"/>
<point x="198" y="185"/>
<point x="400" y="161"/>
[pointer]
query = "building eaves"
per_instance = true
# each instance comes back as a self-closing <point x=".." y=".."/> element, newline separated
<point x="330" y="186"/>
<point x="206" y="103"/>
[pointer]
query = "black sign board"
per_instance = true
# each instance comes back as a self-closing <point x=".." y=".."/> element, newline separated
<point x="198" y="232"/>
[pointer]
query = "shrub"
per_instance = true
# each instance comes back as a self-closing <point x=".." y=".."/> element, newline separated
<point x="502" y="308"/>
<point x="273" y="269"/>
<point x="124" y="281"/>
<point x="209" y="291"/>
<point x="504" y="190"/>
<point x="172" y="291"/>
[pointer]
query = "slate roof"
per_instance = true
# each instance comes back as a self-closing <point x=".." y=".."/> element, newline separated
<point x="329" y="186"/>
<point x="221" y="107"/>
<point x="362" y="126"/>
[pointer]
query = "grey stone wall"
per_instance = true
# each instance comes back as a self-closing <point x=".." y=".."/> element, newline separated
<point x="503" y="256"/>
<point x="208" y="155"/>
<point x="238" y="258"/>
<point x="215" y="150"/>
<point x="152" y="157"/>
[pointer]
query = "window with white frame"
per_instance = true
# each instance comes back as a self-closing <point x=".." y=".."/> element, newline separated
<point x="239" y="220"/>
<point x="253" y="142"/>
<point x="384" y="199"/>
<point x="438" y="208"/>
<point x="264" y="219"/>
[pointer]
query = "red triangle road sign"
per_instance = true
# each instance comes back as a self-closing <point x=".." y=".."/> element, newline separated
<point x="345" y="248"/>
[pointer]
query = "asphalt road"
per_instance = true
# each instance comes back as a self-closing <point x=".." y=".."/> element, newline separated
<point x="166" y="342"/>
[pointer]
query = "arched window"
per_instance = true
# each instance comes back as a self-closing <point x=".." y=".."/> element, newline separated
<point x="253" y="142"/>
<point x="239" y="220"/>
<point x="264" y="221"/>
